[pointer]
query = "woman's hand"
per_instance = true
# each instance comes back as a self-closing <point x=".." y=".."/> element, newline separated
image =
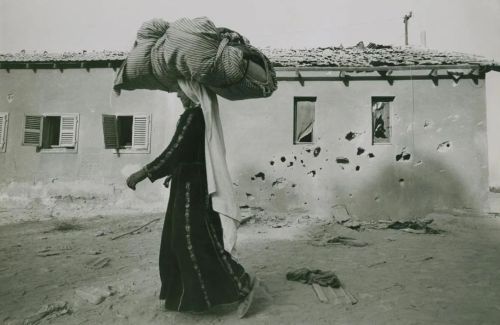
<point x="135" y="178"/>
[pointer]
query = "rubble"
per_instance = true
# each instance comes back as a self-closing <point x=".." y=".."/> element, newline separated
<point x="49" y="311"/>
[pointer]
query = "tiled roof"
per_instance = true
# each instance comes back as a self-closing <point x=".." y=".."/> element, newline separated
<point x="372" y="55"/>
<point x="84" y="56"/>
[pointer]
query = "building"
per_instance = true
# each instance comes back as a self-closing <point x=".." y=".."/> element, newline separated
<point x="385" y="131"/>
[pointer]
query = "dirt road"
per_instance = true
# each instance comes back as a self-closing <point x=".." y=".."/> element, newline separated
<point x="398" y="278"/>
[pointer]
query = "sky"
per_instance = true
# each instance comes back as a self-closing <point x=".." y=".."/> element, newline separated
<point x="469" y="26"/>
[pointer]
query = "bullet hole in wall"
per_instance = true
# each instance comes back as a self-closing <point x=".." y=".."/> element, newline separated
<point x="294" y="157"/>
<point x="293" y="185"/>
<point x="250" y="197"/>
<point x="283" y="159"/>
<point x="360" y="151"/>
<point x="308" y="150"/>
<point x="312" y="173"/>
<point x="402" y="182"/>
<point x="358" y="168"/>
<point x="444" y="146"/>
<point x="252" y="178"/>
<point x="316" y="151"/>
<point x="371" y="155"/>
<point x="260" y="175"/>
<point x="350" y="136"/>
<point x="290" y="164"/>
<point x="403" y="155"/>
<point x="342" y="160"/>
<point x="377" y="199"/>
<point x="271" y="162"/>
<point x="279" y="183"/>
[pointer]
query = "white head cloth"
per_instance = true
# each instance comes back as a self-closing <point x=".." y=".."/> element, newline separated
<point x="220" y="186"/>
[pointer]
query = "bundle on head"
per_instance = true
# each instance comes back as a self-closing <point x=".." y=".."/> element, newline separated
<point x="195" y="49"/>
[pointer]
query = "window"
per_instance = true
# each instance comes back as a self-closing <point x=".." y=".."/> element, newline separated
<point x="51" y="132"/>
<point x="303" y="119"/>
<point x="381" y="120"/>
<point x="127" y="133"/>
<point x="4" y="118"/>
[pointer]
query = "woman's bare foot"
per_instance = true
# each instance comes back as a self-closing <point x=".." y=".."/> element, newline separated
<point x="245" y="304"/>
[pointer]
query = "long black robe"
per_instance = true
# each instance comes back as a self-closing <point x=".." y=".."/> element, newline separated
<point x="196" y="272"/>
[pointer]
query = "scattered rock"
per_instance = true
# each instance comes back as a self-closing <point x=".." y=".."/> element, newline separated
<point x="93" y="295"/>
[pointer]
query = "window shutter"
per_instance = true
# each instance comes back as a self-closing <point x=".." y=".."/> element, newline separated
<point x="110" y="130"/>
<point x="67" y="134"/>
<point x="33" y="126"/>
<point x="3" y="130"/>
<point x="140" y="132"/>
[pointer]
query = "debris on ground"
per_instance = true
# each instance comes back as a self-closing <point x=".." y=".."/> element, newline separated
<point x="415" y="226"/>
<point x="93" y="295"/>
<point x="323" y="278"/>
<point x="103" y="232"/>
<point x="347" y="241"/>
<point x="354" y="225"/>
<point x="342" y="216"/>
<point x="322" y="281"/>
<point x="377" y="263"/>
<point x="136" y="229"/>
<point x="48" y="251"/>
<point x="49" y="311"/>
<point x="98" y="262"/>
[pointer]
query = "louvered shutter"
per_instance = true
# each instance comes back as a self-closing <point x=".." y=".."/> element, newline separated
<point x="67" y="134"/>
<point x="33" y="127"/>
<point x="3" y="131"/>
<point x="110" y="131"/>
<point x="140" y="132"/>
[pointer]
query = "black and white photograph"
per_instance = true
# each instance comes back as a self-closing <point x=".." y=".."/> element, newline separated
<point x="264" y="162"/>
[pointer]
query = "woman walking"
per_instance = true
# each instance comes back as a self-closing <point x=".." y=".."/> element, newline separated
<point x="196" y="271"/>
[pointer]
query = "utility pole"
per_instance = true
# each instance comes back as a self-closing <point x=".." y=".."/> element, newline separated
<point x="405" y="20"/>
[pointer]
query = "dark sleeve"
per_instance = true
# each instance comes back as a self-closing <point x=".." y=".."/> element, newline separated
<point x="187" y="131"/>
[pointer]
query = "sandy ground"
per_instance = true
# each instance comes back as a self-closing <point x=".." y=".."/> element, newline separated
<point x="398" y="278"/>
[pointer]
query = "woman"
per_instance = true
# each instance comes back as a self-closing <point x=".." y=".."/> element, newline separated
<point x="196" y="272"/>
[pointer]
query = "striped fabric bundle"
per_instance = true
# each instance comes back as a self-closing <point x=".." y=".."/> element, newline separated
<point x="196" y="50"/>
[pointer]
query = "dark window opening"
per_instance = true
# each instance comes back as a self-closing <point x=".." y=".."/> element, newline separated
<point x="125" y="126"/>
<point x="51" y="131"/>
<point x="381" y="119"/>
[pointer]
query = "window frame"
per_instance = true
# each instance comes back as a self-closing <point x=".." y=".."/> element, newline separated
<point x="296" y="100"/>
<point x="382" y="99"/>
<point x="5" y="130"/>
<point x="59" y="148"/>
<point x="132" y="149"/>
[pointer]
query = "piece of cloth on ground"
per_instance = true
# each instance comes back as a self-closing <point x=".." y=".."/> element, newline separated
<point x="323" y="278"/>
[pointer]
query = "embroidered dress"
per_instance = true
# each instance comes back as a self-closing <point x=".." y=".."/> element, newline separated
<point x="196" y="272"/>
